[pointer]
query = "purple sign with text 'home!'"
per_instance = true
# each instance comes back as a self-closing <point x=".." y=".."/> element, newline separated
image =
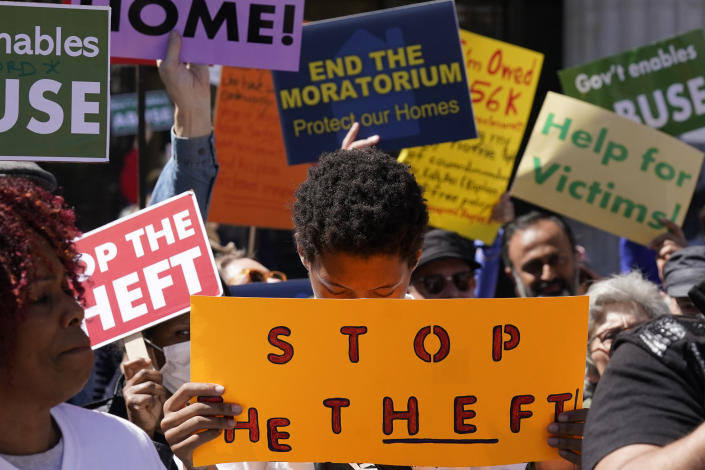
<point x="263" y="34"/>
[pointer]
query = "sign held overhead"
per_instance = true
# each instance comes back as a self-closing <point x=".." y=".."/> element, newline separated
<point x="661" y="84"/>
<point x="399" y="72"/>
<point x="606" y="170"/>
<point x="54" y="82"/>
<point x="464" y="180"/>
<point x="245" y="33"/>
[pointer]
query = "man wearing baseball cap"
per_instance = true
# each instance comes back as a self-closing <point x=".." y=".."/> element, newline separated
<point x="446" y="269"/>
<point x="684" y="269"/>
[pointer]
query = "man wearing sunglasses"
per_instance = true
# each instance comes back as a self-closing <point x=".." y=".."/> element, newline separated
<point x="446" y="269"/>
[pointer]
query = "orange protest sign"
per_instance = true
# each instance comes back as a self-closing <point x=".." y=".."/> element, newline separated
<point x="455" y="382"/>
<point x="255" y="185"/>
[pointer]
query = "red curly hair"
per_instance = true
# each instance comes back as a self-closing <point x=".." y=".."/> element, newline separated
<point x="27" y="210"/>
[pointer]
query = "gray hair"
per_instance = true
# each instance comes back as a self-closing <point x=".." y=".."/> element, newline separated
<point x="630" y="288"/>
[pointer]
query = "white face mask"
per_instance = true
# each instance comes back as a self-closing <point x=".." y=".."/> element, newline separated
<point x="177" y="365"/>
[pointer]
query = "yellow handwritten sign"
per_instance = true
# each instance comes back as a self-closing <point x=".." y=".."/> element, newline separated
<point x="464" y="179"/>
<point x="255" y="185"/>
<point x="606" y="170"/>
<point x="454" y="382"/>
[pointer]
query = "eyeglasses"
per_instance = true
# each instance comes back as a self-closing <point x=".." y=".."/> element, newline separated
<point x="606" y="338"/>
<point x="255" y="275"/>
<point x="436" y="283"/>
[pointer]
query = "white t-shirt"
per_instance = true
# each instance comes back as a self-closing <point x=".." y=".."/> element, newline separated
<point x="98" y="441"/>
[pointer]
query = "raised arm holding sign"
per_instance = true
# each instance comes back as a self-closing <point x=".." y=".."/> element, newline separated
<point x="147" y="383"/>
<point x="193" y="165"/>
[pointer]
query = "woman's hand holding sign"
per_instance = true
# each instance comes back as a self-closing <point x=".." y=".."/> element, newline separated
<point x="187" y="425"/>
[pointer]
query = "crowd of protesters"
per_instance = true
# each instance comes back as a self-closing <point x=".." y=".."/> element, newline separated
<point x="361" y="231"/>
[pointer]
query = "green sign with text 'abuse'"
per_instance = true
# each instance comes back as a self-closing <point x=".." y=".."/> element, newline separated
<point x="54" y="82"/>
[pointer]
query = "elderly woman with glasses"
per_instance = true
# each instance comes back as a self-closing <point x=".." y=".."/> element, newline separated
<point x="617" y="303"/>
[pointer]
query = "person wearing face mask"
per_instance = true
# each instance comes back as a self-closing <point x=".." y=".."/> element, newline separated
<point x="176" y="365"/>
<point x="143" y="386"/>
<point x="148" y="383"/>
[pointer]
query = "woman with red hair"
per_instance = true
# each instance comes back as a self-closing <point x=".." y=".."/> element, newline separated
<point x="45" y="356"/>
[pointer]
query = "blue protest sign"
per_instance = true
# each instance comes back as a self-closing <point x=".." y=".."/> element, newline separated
<point x="399" y="72"/>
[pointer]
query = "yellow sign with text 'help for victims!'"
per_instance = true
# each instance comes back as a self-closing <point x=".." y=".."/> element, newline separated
<point x="605" y="170"/>
<point x="463" y="180"/>
<point x="454" y="382"/>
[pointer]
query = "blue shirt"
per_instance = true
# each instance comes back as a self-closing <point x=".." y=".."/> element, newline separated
<point x="192" y="165"/>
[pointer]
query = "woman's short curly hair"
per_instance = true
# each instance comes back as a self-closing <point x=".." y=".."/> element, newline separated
<point x="360" y="202"/>
<point x="26" y="211"/>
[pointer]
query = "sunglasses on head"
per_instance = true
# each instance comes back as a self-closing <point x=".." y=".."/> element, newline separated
<point x="255" y="275"/>
<point x="436" y="283"/>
